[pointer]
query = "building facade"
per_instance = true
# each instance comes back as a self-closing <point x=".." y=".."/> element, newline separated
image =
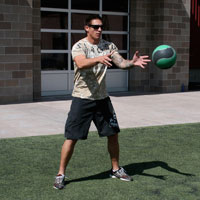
<point x="36" y="37"/>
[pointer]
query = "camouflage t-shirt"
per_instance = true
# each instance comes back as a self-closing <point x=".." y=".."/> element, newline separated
<point x="90" y="83"/>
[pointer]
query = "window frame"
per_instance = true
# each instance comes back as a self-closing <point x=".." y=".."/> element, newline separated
<point x="69" y="31"/>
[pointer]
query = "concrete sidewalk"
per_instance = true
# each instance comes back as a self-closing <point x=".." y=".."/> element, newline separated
<point x="46" y="118"/>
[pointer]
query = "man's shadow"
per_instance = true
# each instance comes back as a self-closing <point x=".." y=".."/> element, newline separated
<point x="135" y="169"/>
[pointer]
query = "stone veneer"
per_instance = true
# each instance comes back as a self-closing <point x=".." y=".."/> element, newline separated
<point x="154" y="23"/>
<point x="19" y="50"/>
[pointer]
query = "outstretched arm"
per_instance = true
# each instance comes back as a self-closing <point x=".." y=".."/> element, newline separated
<point x="137" y="60"/>
<point x="83" y="62"/>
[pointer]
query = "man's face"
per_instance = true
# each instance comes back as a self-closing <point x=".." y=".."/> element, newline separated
<point x="94" y="29"/>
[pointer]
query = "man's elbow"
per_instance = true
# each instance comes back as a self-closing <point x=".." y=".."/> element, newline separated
<point x="79" y="61"/>
<point x="79" y="64"/>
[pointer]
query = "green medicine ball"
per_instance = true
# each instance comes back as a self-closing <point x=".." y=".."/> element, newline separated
<point x="164" y="56"/>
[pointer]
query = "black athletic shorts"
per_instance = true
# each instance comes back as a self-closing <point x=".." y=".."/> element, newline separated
<point x="84" y="111"/>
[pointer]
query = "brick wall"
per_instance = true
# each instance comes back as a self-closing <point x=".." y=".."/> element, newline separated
<point x="158" y="22"/>
<point x="36" y="50"/>
<point x="16" y="51"/>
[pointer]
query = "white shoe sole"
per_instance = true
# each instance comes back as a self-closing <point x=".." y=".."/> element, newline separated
<point x="112" y="176"/>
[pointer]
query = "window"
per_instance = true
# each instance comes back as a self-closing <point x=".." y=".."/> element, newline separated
<point x="54" y="3"/>
<point x="54" y="20"/>
<point x="62" y="24"/>
<point x="85" y="5"/>
<point x="117" y="6"/>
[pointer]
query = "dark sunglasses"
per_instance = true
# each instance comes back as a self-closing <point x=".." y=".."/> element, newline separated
<point x="96" y="27"/>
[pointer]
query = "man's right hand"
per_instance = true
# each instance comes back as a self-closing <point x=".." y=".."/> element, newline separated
<point x="106" y="60"/>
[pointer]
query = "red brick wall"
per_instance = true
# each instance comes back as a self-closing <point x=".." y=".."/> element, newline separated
<point x="154" y="23"/>
<point x="17" y="37"/>
<point x="36" y="50"/>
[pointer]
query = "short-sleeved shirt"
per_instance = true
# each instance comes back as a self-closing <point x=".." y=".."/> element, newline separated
<point x="90" y="83"/>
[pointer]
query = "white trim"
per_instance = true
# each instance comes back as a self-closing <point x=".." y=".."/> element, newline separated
<point x="116" y="32"/>
<point x="97" y="12"/>
<point x="128" y="28"/>
<point x="128" y="41"/>
<point x="55" y="93"/>
<point x="54" y="30"/>
<point x="53" y="71"/>
<point x="115" y="13"/>
<point x="46" y="9"/>
<point x="77" y="31"/>
<point x="68" y="51"/>
<point x="65" y="71"/>
<point x="61" y="30"/>
<point x="84" y="11"/>
<point x="123" y="51"/>
<point x="69" y="38"/>
<point x="100" y="7"/>
<point x="47" y="30"/>
<point x="54" y="51"/>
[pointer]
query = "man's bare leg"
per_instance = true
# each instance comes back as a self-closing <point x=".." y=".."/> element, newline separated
<point x="113" y="149"/>
<point x="66" y="154"/>
<point x="117" y="171"/>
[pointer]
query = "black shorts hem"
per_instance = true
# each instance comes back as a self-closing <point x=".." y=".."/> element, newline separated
<point x="108" y="134"/>
<point x="100" y="135"/>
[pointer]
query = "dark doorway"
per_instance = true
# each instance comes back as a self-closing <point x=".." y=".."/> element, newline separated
<point x="194" y="79"/>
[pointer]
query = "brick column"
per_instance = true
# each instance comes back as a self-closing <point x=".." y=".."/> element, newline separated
<point x="16" y="51"/>
<point x="36" y="50"/>
<point x="154" y="23"/>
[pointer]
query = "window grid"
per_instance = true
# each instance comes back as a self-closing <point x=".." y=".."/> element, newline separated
<point x="70" y="11"/>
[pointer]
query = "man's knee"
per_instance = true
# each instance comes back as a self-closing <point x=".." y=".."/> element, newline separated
<point x="70" y="143"/>
<point x="113" y="138"/>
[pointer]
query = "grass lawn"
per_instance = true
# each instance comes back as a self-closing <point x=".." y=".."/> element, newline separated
<point x="163" y="160"/>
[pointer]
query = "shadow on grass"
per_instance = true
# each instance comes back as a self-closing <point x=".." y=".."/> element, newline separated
<point x="133" y="169"/>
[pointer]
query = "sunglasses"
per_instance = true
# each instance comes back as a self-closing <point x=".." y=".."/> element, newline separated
<point x="96" y="27"/>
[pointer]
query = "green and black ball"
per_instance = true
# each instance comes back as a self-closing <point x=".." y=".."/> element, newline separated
<point x="164" y="56"/>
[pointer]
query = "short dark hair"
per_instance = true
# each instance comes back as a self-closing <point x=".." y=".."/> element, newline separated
<point x="91" y="17"/>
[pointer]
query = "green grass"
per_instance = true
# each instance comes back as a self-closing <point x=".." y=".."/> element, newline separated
<point x="163" y="160"/>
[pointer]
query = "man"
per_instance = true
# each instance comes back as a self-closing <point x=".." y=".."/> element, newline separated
<point x="92" y="56"/>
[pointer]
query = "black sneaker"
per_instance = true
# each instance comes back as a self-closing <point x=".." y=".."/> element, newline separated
<point x="59" y="182"/>
<point x="121" y="174"/>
